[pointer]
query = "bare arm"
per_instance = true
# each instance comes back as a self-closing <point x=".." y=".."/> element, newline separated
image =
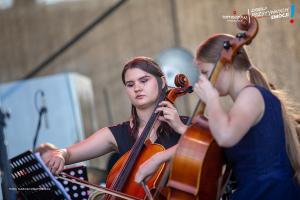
<point x="99" y="143"/>
<point x="229" y="128"/>
<point x="151" y="165"/>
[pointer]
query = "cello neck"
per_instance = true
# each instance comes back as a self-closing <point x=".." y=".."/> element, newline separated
<point x="200" y="107"/>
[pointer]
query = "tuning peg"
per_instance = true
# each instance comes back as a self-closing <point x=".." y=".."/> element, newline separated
<point x="240" y="35"/>
<point x="226" y="45"/>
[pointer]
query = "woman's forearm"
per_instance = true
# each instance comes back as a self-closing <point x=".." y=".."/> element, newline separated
<point x="218" y="120"/>
<point x="167" y="155"/>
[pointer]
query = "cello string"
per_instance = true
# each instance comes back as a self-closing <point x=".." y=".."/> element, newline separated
<point x="162" y="181"/>
<point x="146" y="189"/>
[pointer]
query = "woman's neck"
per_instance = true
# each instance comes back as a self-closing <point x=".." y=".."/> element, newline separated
<point x="239" y="82"/>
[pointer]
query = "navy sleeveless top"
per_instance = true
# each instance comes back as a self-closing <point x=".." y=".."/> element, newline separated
<point x="259" y="160"/>
<point x="125" y="140"/>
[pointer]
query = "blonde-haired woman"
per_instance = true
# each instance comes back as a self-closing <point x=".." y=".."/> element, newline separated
<point x="258" y="135"/>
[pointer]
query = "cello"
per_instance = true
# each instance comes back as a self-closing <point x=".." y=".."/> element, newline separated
<point x="198" y="153"/>
<point x="121" y="176"/>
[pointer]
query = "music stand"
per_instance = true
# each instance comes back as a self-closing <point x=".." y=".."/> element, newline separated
<point x="34" y="180"/>
<point x="76" y="192"/>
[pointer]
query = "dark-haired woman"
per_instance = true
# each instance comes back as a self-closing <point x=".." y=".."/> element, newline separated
<point x="143" y="82"/>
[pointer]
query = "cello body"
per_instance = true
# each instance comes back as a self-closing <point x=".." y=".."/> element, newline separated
<point x="202" y="164"/>
<point x="131" y="187"/>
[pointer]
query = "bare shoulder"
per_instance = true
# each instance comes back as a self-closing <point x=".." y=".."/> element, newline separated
<point x="250" y="104"/>
<point x="105" y="134"/>
<point x="251" y="95"/>
<point x="104" y="130"/>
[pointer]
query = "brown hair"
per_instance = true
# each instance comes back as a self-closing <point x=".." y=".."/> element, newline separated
<point x="150" y="66"/>
<point x="210" y="50"/>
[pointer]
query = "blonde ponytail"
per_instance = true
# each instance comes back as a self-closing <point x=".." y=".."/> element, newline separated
<point x="257" y="77"/>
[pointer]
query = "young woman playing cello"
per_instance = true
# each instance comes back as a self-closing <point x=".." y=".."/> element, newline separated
<point x="258" y="135"/>
<point x="143" y="80"/>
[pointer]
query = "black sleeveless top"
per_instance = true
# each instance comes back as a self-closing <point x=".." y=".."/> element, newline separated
<point x="125" y="140"/>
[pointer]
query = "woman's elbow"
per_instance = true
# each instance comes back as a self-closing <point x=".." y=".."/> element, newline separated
<point x="226" y="141"/>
